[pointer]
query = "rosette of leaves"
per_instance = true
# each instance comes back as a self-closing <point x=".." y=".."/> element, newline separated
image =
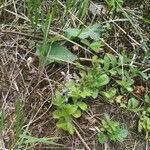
<point x="144" y="121"/>
<point x="94" y="79"/>
<point x="111" y="131"/>
<point x="69" y="105"/>
<point x="69" y="100"/>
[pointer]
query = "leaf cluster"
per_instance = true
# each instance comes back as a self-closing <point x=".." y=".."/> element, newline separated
<point x="70" y="99"/>
<point x="111" y="131"/>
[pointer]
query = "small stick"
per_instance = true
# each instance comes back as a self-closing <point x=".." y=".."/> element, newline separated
<point x="22" y="34"/>
<point x="82" y="140"/>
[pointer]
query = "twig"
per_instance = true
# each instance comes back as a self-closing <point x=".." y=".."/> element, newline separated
<point x="135" y="144"/>
<point x="22" y="34"/>
<point x="82" y="140"/>
<point x="106" y="146"/>
<point x="17" y="15"/>
<point x="147" y="145"/>
<point x="146" y="70"/>
<point x="132" y="39"/>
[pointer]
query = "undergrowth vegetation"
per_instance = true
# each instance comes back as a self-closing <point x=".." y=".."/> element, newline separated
<point x="107" y="57"/>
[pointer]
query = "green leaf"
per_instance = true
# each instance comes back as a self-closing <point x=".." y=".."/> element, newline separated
<point x="147" y="98"/>
<point x="70" y="127"/>
<point x="102" y="138"/>
<point x="119" y="99"/>
<point x="86" y="42"/>
<point x="62" y="124"/>
<point x="126" y="83"/>
<point x="72" y="32"/>
<point x="83" y="8"/>
<point x="82" y="105"/>
<point x="109" y="59"/>
<point x="34" y="9"/>
<point x="103" y="80"/>
<point x="112" y="59"/>
<point x="92" y="32"/>
<point x="95" y="46"/>
<point x="95" y="93"/>
<point x="58" y="100"/>
<point x="113" y="71"/>
<point x="106" y="63"/>
<point x="77" y="114"/>
<point x="57" y="114"/>
<point x="110" y="94"/>
<point x="85" y="93"/>
<point x="114" y="4"/>
<point x="2" y="122"/>
<point x="43" y="51"/>
<point x="58" y="53"/>
<point x="71" y="108"/>
<point x="144" y="124"/>
<point x="133" y="103"/>
<point x="66" y="125"/>
<point x="31" y="139"/>
<point x="120" y="134"/>
<point x="19" y="118"/>
<point x="47" y="25"/>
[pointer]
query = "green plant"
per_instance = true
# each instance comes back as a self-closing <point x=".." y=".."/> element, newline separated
<point x="94" y="79"/>
<point x="144" y="117"/>
<point x="19" y="118"/>
<point x="93" y="32"/>
<point x="126" y="84"/>
<point x="44" y="49"/>
<point x="28" y="139"/>
<point x="144" y="123"/>
<point x="1" y="121"/>
<point x="109" y="95"/>
<point x="76" y="8"/>
<point x="49" y="50"/>
<point x="112" y="77"/>
<point x="83" y="8"/>
<point x="111" y="131"/>
<point x="92" y="82"/>
<point x="116" y="68"/>
<point x="114" y="5"/>
<point x="133" y="104"/>
<point x="69" y="100"/>
<point x="56" y="53"/>
<point x="34" y="10"/>
<point x="94" y="46"/>
<point x="66" y="112"/>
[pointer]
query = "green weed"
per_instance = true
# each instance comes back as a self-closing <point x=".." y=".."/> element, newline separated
<point x="114" y="5"/>
<point x="34" y="12"/>
<point x="28" y="139"/>
<point x="69" y="100"/>
<point x="91" y="82"/>
<point x="44" y="49"/>
<point x="1" y="121"/>
<point x="19" y="118"/>
<point x="111" y="131"/>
